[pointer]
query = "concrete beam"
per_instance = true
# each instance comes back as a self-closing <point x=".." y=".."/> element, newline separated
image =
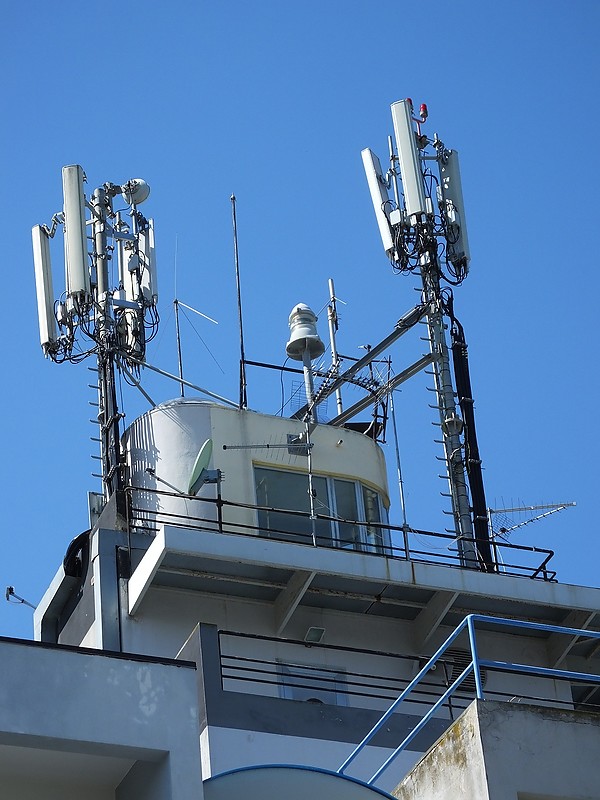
<point x="290" y="597"/>
<point x="431" y="617"/>
<point x="146" y="570"/>
<point x="559" y="645"/>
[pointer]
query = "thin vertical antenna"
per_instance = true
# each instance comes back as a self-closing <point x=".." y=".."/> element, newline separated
<point x="175" y="265"/>
<point x="398" y="465"/>
<point x="177" y="331"/>
<point x="178" y="335"/>
<point x="243" y="395"/>
<point x="332" y="319"/>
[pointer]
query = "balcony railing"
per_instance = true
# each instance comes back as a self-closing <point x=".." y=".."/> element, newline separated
<point x="473" y="669"/>
<point x="347" y="676"/>
<point x="407" y="543"/>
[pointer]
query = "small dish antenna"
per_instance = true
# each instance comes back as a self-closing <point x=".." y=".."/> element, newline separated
<point x="135" y="191"/>
<point x="200" y="472"/>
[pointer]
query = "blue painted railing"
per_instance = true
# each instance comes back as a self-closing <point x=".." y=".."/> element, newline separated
<point x="475" y="666"/>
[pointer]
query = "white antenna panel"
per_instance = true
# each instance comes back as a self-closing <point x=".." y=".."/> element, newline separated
<point x="379" y="196"/>
<point x="148" y="264"/>
<point x="76" y="256"/>
<point x="43" y="286"/>
<point x="408" y="156"/>
<point x="130" y="279"/>
<point x="452" y="206"/>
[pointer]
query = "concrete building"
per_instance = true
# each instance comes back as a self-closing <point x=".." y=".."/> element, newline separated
<point x="508" y="751"/>
<point x="241" y="612"/>
<point x="302" y="636"/>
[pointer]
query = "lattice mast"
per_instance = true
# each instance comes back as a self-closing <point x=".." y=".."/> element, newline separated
<point x="423" y="231"/>
<point x="103" y="312"/>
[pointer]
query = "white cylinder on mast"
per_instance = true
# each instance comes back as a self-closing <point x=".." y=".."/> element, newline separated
<point x="43" y="286"/>
<point x="408" y="156"/>
<point x="76" y="255"/>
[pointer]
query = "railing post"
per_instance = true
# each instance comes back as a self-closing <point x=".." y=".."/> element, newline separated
<point x="474" y="656"/>
<point x="405" y="530"/>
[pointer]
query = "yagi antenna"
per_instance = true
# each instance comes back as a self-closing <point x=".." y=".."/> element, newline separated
<point x="546" y="510"/>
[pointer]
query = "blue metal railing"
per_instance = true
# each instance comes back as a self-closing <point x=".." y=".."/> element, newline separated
<point x="475" y="666"/>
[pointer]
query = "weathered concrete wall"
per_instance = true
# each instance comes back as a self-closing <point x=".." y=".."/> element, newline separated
<point x="454" y="767"/>
<point x="509" y="751"/>
<point x="540" y="752"/>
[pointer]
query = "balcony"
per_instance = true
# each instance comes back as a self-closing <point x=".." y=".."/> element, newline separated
<point x="151" y="509"/>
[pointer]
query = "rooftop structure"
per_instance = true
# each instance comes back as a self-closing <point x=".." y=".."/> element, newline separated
<point x="242" y="598"/>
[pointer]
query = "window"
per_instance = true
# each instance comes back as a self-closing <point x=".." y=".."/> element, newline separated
<point x="346" y="508"/>
<point x="277" y="489"/>
<point x="356" y="509"/>
<point x="313" y="684"/>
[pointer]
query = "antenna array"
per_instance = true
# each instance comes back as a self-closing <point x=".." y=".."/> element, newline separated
<point x="111" y="316"/>
<point x="423" y="231"/>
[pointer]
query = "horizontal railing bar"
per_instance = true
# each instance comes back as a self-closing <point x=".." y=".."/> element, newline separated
<point x="543" y="672"/>
<point x="200" y="523"/>
<point x="327" y="518"/>
<point x="536" y="626"/>
<point x="314" y="682"/>
<point x="340" y="690"/>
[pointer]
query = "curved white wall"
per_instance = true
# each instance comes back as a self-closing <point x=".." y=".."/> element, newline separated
<point x="167" y="440"/>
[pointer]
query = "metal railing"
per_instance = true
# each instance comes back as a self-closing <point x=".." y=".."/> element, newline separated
<point x="395" y="541"/>
<point x="473" y="668"/>
<point x="288" y="674"/>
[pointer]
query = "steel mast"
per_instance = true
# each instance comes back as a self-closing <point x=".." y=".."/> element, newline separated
<point x="433" y="243"/>
<point x="112" y="317"/>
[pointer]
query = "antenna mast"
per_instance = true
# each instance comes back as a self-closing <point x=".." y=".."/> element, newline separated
<point x="412" y="232"/>
<point x="116" y="319"/>
<point x="243" y="394"/>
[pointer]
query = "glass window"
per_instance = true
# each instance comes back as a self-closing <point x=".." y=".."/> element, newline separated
<point x="375" y="538"/>
<point x="357" y="508"/>
<point x="288" y="491"/>
<point x="347" y="509"/>
<point x="313" y="684"/>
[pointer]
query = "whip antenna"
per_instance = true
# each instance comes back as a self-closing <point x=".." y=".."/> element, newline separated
<point x="243" y="395"/>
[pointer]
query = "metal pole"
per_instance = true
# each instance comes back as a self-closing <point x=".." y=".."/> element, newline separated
<point x="475" y="657"/>
<point x="243" y="393"/>
<point x="311" y="488"/>
<point x="108" y="412"/>
<point x="400" y="479"/>
<point x="178" y="335"/>
<point x="451" y="423"/>
<point x="332" y="319"/>
<point x="308" y="384"/>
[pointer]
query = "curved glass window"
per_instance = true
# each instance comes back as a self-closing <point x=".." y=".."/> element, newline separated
<point x="356" y="511"/>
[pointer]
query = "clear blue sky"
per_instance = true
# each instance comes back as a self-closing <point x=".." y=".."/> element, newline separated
<point x="274" y="101"/>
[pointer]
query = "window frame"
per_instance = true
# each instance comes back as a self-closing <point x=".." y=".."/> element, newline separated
<point x="334" y="536"/>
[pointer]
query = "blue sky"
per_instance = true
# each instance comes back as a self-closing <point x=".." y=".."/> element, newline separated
<point x="274" y="101"/>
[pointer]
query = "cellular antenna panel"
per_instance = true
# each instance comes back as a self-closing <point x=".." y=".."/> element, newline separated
<point x="408" y="156"/>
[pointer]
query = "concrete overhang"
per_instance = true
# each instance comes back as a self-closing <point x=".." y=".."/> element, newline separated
<point x="260" y="568"/>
